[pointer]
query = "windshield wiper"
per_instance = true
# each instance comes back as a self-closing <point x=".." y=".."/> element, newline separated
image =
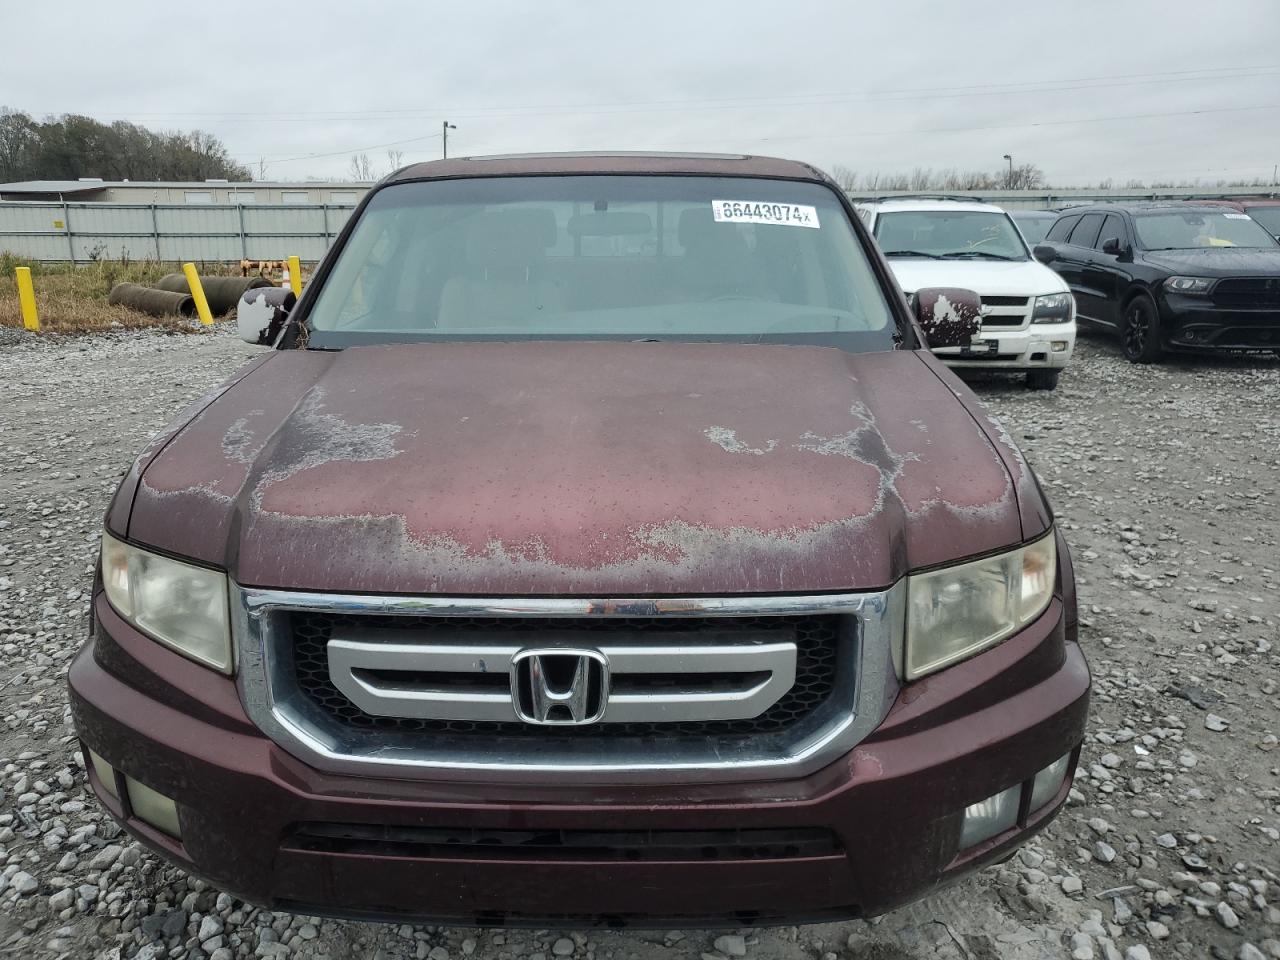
<point x="964" y="254"/>
<point x="911" y="253"/>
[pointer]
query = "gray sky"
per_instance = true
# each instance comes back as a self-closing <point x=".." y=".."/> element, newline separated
<point x="875" y="85"/>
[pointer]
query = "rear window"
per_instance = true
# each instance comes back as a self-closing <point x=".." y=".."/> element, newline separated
<point x="1183" y="230"/>
<point x="604" y="257"/>
<point x="1033" y="226"/>
<point x="1062" y="229"/>
<point x="1268" y="217"/>
<point x="1086" y="232"/>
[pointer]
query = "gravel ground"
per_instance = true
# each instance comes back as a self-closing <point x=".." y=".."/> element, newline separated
<point x="1164" y="479"/>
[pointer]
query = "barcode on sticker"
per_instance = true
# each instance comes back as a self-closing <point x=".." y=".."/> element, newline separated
<point x="752" y="211"/>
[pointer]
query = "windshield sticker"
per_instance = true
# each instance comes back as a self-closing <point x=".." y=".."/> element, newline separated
<point x="749" y="211"/>
<point x="1237" y="216"/>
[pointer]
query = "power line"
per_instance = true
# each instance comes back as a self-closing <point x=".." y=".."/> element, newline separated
<point x="852" y="135"/>
<point x="1015" y="126"/>
<point x="704" y="103"/>
<point x="339" y="153"/>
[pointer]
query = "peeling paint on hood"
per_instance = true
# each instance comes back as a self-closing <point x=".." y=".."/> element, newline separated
<point x="584" y="468"/>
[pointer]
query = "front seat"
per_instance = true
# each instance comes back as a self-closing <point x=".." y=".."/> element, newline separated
<point x="503" y="284"/>
<point x="717" y="263"/>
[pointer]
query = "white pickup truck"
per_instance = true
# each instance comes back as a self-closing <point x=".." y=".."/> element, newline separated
<point x="1028" y="313"/>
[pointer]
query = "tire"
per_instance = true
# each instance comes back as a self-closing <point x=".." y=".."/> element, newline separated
<point x="1042" y="379"/>
<point x="1140" y="331"/>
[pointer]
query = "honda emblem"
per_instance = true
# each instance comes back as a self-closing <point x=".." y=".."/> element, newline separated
<point x="558" y="687"/>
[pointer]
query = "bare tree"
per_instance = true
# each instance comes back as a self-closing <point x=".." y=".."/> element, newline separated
<point x="846" y="178"/>
<point x="361" y="168"/>
<point x="395" y="158"/>
<point x="1026" y="176"/>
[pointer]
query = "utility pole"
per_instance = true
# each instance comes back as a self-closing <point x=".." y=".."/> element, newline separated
<point x="445" y="127"/>
<point x="1008" y="182"/>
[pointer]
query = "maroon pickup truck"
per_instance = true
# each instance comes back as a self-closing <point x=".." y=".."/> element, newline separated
<point x="599" y="543"/>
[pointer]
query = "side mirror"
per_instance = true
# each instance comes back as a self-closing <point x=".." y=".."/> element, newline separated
<point x="1044" y="253"/>
<point x="949" y="316"/>
<point x="262" y="312"/>
<point x="1111" y="246"/>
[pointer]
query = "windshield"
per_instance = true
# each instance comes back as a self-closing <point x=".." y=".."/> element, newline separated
<point x="604" y="257"/>
<point x="1269" y="217"/>
<point x="949" y="235"/>
<point x="1173" y="230"/>
<point x="1034" y="226"/>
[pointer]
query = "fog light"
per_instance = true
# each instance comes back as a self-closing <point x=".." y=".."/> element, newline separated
<point x="153" y="808"/>
<point x="1048" y="782"/>
<point x="106" y="775"/>
<point x="1059" y="346"/>
<point x="985" y="819"/>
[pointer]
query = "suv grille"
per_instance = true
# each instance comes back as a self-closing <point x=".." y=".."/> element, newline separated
<point x="1247" y="292"/>
<point x="1004" y="313"/>
<point x="817" y="640"/>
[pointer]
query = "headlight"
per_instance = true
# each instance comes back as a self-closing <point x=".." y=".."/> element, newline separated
<point x="179" y="604"/>
<point x="1188" y="284"/>
<point x="1052" y="308"/>
<point x="958" y="611"/>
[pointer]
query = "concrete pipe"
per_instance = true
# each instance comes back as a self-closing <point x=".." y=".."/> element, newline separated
<point x="223" y="293"/>
<point x="158" y="303"/>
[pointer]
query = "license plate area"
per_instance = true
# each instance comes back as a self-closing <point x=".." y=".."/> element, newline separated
<point x="980" y="348"/>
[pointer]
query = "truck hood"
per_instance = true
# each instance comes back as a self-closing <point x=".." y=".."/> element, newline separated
<point x="991" y="278"/>
<point x="1217" y="261"/>
<point x="615" y="469"/>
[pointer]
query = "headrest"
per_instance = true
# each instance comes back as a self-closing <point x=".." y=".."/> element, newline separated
<point x="695" y="224"/>
<point x="510" y="236"/>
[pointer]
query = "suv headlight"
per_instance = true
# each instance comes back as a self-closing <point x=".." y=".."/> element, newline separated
<point x="179" y="604"/>
<point x="955" y="612"/>
<point x="1188" y="284"/>
<point x="1052" y="308"/>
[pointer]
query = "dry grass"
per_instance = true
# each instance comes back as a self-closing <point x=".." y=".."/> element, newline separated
<point x="73" y="299"/>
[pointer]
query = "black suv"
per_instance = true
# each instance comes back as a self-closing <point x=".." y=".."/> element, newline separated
<point x="1169" y="276"/>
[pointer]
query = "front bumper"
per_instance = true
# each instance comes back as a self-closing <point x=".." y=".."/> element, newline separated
<point x="1196" y="323"/>
<point x="1036" y="347"/>
<point x="877" y="828"/>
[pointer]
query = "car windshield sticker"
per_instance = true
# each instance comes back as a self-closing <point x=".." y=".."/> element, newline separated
<point x="1237" y="216"/>
<point x="750" y="211"/>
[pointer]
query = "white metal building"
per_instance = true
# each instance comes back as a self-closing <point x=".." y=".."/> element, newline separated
<point x="206" y="192"/>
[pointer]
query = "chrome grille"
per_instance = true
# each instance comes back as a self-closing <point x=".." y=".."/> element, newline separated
<point x="1004" y="313"/>
<point x="791" y="660"/>
<point x="286" y="688"/>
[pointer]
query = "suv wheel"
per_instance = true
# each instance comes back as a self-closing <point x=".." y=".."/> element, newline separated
<point x="1042" y="379"/>
<point x="1140" y="331"/>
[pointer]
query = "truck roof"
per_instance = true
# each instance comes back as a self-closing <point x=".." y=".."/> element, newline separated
<point x="929" y="203"/>
<point x="616" y="162"/>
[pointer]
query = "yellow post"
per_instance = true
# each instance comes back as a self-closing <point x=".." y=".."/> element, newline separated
<point x="27" y="299"/>
<point x="197" y="294"/>
<point x="295" y="276"/>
